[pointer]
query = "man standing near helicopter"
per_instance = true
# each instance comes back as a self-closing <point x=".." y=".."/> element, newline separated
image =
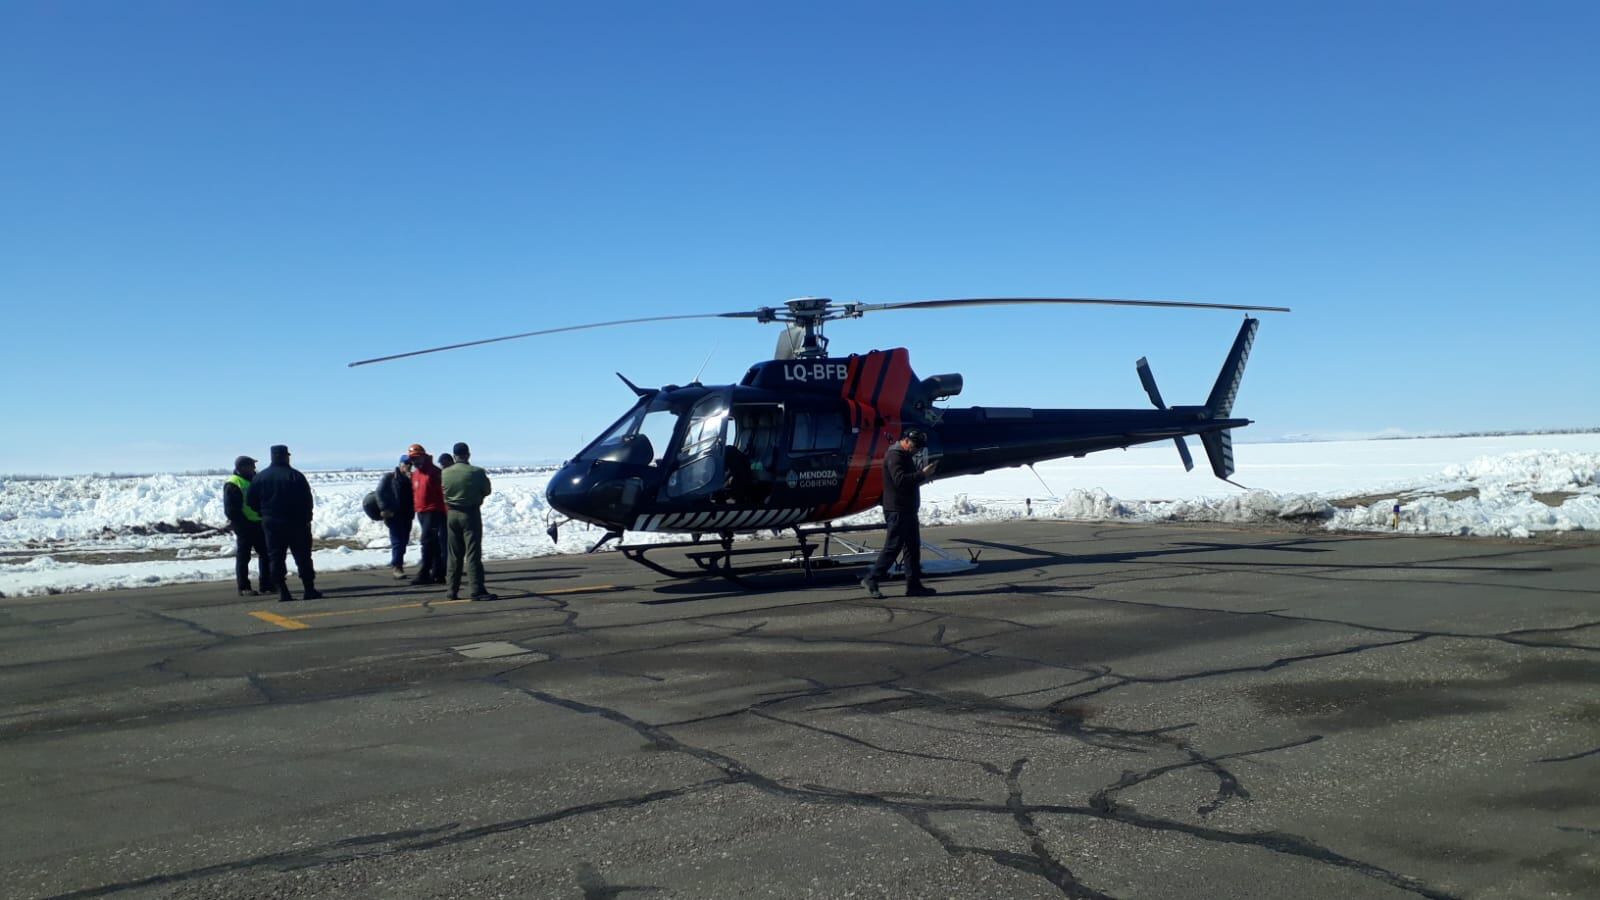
<point x="902" y="494"/>
<point x="427" y="493"/>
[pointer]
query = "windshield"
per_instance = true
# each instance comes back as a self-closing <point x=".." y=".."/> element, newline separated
<point x="628" y="424"/>
<point x="655" y="425"/>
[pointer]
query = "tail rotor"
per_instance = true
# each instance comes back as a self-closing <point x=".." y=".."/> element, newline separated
<point x="1149" y="382"/>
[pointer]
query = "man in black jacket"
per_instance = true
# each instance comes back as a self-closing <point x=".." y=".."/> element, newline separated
<point x="398" y="509"/>
<point x="247" y="534"/>
<point x="902" y="494"/>
<point x="283" y="497"/>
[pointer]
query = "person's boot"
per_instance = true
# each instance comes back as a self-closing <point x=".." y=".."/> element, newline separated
<point x="312" y="593"/>
<point x="918" y="589"/>
<point x="399" y="573"/>
<point x="871" y="585"/>
<point x="244" y="591"/>
<point x="283" y="594"/>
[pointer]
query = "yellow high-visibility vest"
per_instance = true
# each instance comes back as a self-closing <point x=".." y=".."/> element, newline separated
<point x="238" y="481"/>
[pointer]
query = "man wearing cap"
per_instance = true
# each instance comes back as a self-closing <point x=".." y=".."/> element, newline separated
<point x="247" y="534"/>
<point x="902" y="494"/>
<point x="397" y="506"/>
<point x="428" y="498"/>
<point x="283" y="496"/>
<point x="465" y="487"/>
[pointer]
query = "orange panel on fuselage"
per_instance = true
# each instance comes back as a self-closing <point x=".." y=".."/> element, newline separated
<point x="874" y="392"/>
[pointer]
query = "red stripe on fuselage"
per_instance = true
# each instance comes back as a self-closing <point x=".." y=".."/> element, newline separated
<point x="875" y="390"/>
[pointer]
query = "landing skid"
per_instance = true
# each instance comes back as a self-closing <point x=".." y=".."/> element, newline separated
<point x="935" y="559"/>
<point x="716" y="557"/>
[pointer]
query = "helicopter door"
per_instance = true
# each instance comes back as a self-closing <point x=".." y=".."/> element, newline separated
<point x="698" y="467"/>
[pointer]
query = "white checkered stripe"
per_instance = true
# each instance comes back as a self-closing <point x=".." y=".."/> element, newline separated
<point x="721" y="520"/>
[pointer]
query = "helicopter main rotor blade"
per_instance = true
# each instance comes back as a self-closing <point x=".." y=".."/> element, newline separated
<point x="1017" y="301"/>
<point x="512" y="337"/>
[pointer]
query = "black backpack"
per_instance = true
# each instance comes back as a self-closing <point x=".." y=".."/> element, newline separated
<point x="370" y="505"/>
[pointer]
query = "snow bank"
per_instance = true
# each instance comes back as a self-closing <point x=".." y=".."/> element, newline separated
<point x="88" y="533"/>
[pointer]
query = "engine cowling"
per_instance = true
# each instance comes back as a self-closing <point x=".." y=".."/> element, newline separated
<point x="940" y="387"/>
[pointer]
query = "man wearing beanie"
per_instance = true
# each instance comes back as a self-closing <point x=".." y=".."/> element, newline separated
<point x="283" y="496"/>
<point x="397" y="506"/>
<point x="247" y="534"/>
<point x="465" y="487"/>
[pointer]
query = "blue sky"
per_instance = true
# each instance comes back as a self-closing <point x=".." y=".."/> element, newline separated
<point x="207" y="210"/>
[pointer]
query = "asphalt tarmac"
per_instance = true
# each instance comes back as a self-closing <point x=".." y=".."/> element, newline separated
<point x="1095" y="711"/>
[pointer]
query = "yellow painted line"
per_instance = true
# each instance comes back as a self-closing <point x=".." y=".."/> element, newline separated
<point x="280" y="621"/>
<point x="296" y="623"/>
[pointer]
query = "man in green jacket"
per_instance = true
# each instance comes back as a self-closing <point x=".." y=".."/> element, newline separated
<point x="465" y="487"/>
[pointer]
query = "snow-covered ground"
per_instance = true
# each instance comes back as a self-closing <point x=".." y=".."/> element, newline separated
<point x="87" y="533"/>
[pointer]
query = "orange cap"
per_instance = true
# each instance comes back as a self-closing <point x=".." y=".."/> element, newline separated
<point x="416" y="450"/>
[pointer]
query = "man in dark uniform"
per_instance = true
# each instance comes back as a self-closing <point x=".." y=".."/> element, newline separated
<point x="465" y="487"/>
<point x="398" y="508"/>
<point x="283" y="496"/>
<point x="902" y="494"/>
<point x="247" y="534"/>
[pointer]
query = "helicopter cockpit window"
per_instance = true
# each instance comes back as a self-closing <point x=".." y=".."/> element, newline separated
<point x="700" y="457"/>
<point x="759" y="426"/>
<point x="705" y="426"/>
<point x="657" y="427"/>
<point x="625" y="426"/>
<point x="651" y="428"/>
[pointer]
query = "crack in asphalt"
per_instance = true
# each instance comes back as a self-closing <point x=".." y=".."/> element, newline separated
<point x="1581" y="755"/>
<point x="1041" y="862"/>
<point x="860" y="742"/>
<point x="1050" y="868"/>
<point x="384" y="844"/>
<point x="1125" y="680"/>
<point x="1228" y="785"/>
<point x="290" y="858"/>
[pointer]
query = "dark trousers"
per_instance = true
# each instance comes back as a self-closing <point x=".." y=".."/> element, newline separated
<point x="903" y="536"/>
<point x="284" y="538"/>
<point x="399" y="537"/>
<point x="249" y="538"/>
<point x="466" y="550"/>
<point x="431" y="541"/>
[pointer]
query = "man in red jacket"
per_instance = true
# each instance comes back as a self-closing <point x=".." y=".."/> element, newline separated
<point x="428" y="492"/>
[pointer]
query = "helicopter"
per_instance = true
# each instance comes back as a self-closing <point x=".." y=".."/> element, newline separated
<point x="799" y="442"/>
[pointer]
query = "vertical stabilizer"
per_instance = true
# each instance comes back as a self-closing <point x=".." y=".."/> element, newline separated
<point x="1219" y="449"/>
<point x="1220" y="403"/>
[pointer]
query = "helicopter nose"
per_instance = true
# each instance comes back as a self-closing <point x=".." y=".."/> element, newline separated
<point x="588" y="491"/>
<point x="568" y="491"/>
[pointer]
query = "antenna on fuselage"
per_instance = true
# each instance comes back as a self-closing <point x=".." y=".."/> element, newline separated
<point x="702" y="371"/>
